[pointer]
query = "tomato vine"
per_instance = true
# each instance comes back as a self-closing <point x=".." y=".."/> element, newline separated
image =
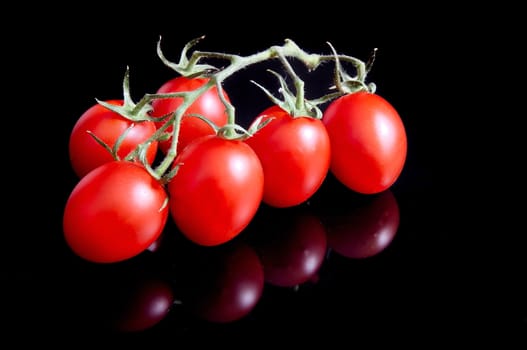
<point x="213" y="185"/>
<point x="193" y="66"/>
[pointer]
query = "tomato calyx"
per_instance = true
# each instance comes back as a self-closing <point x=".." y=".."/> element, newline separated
<point x="233" y="132"/>
<point x="347" y="84"/>
<point x="295" y="104"/>
<point x="188" y="68"/>
<point x="129" y="110"/>
<point x="115" y="149"/>
<point x="259" y="122"/>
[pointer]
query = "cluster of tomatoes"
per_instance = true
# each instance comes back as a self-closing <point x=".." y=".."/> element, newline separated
<point x="120" y="206"/>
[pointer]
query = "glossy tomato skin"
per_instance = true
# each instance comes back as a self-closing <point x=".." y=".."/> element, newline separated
<point x="368" y="141"/>
<point x="295" y="155"/>
<point x="217" y="189"/>
<point x="114" y="213"/>
<point x="86" y="153"/>
<point x="208" y="104"/>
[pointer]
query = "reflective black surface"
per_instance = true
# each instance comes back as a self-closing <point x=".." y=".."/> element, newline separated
<point x="431" y="256"/>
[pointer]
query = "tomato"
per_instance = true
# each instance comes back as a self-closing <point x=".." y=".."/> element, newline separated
<point x="365" y="229"/>
<point x="295" y="155"/>
<point x="368" y="141"/>
<point x="216" y="190"/>
<point x="207" y="104"/>
<point x="86" y="153"/>
<point x="114" y="212"/>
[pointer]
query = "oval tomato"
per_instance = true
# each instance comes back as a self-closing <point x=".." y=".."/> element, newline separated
<point x="115" y="212"/>
<point x="295" y="155"/>
<point x="86" y="153"/>
<point x="368" y="141"/>
<point x="216" y="190"/>
<point x="207" y="104"/>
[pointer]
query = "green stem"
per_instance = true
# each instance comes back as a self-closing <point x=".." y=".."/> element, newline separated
<point x="289" y="49"/>
<point x="192" y="67"/>
<point x="188" y="98"/>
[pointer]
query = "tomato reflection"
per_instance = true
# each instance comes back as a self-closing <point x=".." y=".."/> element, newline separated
<point x="120" y="298"/>
<point x="224" y="284"/>
<point x="366" y="229"/>
<point x="292" y="246"/>
<point x="137" y="304"/>
<point x="142" y="304"/>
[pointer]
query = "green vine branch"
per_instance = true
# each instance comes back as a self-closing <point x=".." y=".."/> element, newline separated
<point x="196" y="65"/>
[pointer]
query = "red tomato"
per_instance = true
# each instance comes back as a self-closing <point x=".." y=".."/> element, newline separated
<point x="208" y="104"/>
<point x="368" y="141"/>
<point x="115" y="212"/>
<point x="86" y="153"/>
<point x="217" y="189"/>
<point x="295" y="155"/>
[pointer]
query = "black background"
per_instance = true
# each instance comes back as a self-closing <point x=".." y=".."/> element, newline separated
<point x="456" y="266"/>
